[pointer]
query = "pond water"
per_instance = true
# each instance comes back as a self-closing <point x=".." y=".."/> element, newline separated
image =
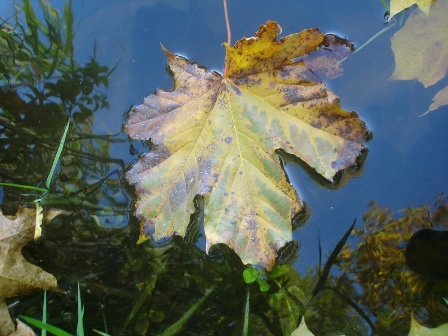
<point x="93" y="241"/>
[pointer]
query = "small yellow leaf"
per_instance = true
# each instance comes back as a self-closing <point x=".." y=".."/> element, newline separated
<point x="421" y="46"/>
<point x="396" y="6"/>
<point x="440" y="99"/>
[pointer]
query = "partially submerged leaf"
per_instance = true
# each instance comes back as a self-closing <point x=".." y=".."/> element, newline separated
<point x="217" y="136"/>
<point x="421" y="46"/>
<point x="440" y="99"/>
<point x="396" y="6"/>
<point x="376" y="271"/>
<point x="302" y="330"/>
<point x="22" y="330"/>
<point x="17" y="276"/>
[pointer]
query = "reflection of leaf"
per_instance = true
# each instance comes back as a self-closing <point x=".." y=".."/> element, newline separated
<point x="216" y="136"/>
<point x="396" y="6"/>
<point x="421" y="46"/>
<point x="376" y="266"/>
<point x="418" y="330"/>
<point x="17" y="276"/>
<point x="287" y="306"/>
<point x="440" y="99"/>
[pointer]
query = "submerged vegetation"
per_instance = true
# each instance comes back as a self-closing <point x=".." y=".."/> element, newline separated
<point x="41" y="82"/>
<point x="90" y="239"/>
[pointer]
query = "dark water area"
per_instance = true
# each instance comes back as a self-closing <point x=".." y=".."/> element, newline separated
<point x="406" y="166"/>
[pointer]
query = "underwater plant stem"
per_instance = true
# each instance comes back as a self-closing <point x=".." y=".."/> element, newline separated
<point x="44" y="314"/>
<point x="23" y="186"/>
<point x="177" y="326"/>
<point x="368" y="41"/>
<point x="324" y="275"/>
<point x="226" y="15"/>
<point x="146" y="293"/>
<point x="246" y="314"/>
<point x="375" y="36"/>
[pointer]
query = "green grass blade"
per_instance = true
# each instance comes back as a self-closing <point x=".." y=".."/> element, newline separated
<point x="44" y="314"/>
<point x="330" y="261"/>
<point x="80" y="326"/>
<point x="52" y="329"/>
<point x="100" y="332"/>
<point x="23" y="186"/>
<point x="58" y="155"/>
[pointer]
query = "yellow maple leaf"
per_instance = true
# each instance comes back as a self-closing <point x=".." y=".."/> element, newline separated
<point x="216" y="136"/>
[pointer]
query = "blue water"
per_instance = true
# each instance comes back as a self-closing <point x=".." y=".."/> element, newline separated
<point x="408" y="155"/>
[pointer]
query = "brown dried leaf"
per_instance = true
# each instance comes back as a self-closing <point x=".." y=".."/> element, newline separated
<point x="17" y="276"/>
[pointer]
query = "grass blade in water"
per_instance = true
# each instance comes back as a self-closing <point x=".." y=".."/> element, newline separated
<point x="58" y="155"/>
<point x="54" y="330"/>
<point x="80" y="326"/>
<point x="174" y="328"/>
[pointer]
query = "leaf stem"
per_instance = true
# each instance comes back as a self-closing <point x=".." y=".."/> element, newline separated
<point x="226" y="15"/>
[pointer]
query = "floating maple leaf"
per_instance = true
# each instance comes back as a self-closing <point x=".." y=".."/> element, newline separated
<point x="216" y="136"/>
